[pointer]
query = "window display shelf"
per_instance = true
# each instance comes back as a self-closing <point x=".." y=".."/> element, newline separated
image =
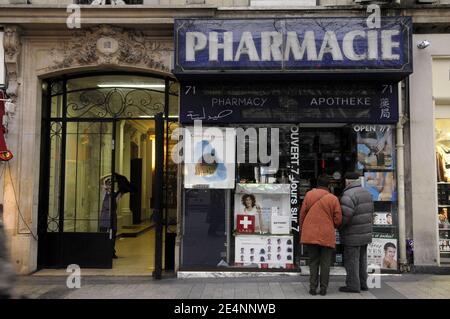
<point x="372" y="170"/>
<point x="263" y="235"/>
<point x="385" y="226"/>
<point x="255" y="188"/>
<point x="447" y="183"/>
<point x="443" y="205"/>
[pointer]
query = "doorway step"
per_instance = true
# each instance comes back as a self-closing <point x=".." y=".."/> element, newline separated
<point x="135" y="230"/>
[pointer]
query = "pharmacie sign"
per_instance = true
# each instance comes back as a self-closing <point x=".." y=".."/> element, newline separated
<point x="292" y="45"/>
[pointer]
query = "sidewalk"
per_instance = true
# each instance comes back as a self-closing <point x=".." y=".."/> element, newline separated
<point x="95" y="287"/>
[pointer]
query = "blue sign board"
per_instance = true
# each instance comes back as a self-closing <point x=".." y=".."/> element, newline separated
<point x="288" y="102"/>
<point x="313" y="45"/>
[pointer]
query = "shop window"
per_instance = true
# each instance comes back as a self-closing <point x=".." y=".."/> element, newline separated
<point x="261" y="220"/>
<point x="443" y="186"/>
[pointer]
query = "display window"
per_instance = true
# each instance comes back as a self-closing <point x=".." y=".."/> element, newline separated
<point x="443" y="186"/>
<point x="257" y="217"/>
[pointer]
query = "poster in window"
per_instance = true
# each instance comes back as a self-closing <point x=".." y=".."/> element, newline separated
<point x="381" y="185"/>
<point x="264" y="251"/>
<point x="375" y="147"/>
<point x="268" y="204"/>
<point x="382" y="219"/>
<point x="382" y="252"/>
<point x="210" y="158"/>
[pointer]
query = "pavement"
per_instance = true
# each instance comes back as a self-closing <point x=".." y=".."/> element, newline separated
<point x="400" y="286"/>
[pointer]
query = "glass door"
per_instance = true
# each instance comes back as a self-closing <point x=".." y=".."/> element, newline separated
<point x="88" y="225"/>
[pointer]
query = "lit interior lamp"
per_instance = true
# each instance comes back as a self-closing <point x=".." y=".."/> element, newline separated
<point x="153" y="140"/>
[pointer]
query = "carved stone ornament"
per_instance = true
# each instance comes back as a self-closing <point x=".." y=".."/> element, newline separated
<point x="12" y="46"/>
<point x="112" y="45"/>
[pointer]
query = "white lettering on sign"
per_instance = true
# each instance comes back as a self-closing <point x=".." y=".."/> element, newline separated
<point x="300" y="46"/>
<point x="365" y="128"/>
<point x="341" y="101"/>
<point x="238" y="101"/>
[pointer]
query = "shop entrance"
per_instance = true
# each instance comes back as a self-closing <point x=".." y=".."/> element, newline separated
<point x="98" y="172"/>
<point x="320" y="149"/>
<point x="330" y="151"/>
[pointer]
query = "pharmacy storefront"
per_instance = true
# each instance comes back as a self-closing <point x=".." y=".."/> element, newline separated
<point x="268" y="106"/>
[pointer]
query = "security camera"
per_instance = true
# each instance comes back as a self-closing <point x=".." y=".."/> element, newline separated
<point x="423" y="44"/>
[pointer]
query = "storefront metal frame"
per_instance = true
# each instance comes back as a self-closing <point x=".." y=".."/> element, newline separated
<point x="45" y="155"/>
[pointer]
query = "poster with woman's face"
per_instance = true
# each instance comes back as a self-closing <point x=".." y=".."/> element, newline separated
<point x="375" y="147"/>
<point x="265" y="208"/>
<point x="209" y="157"/>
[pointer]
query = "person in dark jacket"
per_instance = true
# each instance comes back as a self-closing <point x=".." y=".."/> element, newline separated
<point x="108" y="222"/>
<point x="356" y="232"/>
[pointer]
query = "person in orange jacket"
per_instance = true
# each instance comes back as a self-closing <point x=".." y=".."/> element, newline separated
<point x="320" y="215"/>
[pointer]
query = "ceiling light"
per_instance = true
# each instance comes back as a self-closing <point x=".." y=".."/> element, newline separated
<point x="130" y="85"/>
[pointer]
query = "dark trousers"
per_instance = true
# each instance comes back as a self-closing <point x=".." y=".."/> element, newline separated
<point x="355" y="262"/>
<point x="319" y="256"/>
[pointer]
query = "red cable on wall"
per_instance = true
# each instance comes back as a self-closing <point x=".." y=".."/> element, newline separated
<point x="5" y="154"/>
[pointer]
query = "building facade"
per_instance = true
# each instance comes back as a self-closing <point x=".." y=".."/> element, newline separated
<point x="87" y="103"/>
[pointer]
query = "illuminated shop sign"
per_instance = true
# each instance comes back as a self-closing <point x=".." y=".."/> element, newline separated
<point x="305" y="44"/>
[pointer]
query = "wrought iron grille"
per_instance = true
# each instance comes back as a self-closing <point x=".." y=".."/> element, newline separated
<point x="114" y="103"/>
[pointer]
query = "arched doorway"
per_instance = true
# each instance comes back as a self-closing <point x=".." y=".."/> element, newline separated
<point x="94" y="125"/>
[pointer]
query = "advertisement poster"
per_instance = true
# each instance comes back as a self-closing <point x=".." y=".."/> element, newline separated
<point x="264" y="251"/>
<point x="210" y="159"/>
<point x="381" y="185"/>
<point x="382" y="252"/>
<point x="444" y="245"/>
<point x="382" y="218"/>
<point x="268" y="203"/>
<point x="375" y="147"/>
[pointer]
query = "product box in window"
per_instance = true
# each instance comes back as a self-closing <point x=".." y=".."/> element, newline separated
<point x="382" y="219"/>
<point x="245" y="224"/>
<point x="280" y="225"/>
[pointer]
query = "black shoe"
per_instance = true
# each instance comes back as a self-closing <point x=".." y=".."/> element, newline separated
<point x="347" y="289"/>
<point x="323" y="292"/>
<point x="364" y="288"/>
<point x="312" y="292"/>
<point x="115" y="256"/>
